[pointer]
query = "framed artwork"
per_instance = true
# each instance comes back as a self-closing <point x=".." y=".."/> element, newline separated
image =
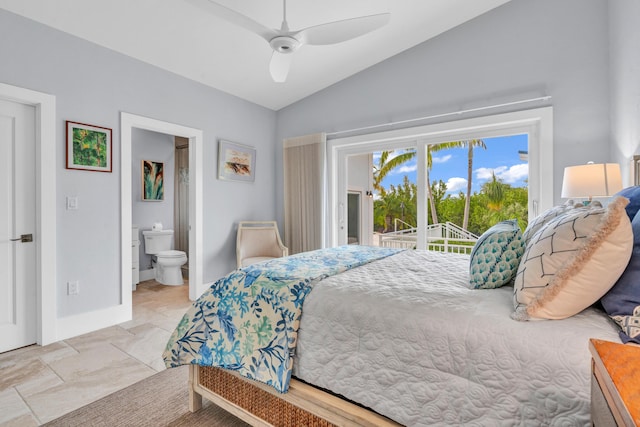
<point x="236" y="161"/>
<point x="152" y="181"/>
<point x="88" y="147"/>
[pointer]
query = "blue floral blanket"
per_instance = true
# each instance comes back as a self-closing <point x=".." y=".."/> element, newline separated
<point x="248" y="320"/>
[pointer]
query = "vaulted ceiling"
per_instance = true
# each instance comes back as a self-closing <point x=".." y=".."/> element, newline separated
<point x="181" y="37"/>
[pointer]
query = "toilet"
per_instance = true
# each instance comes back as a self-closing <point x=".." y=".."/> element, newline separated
<point x="167" y="262"/>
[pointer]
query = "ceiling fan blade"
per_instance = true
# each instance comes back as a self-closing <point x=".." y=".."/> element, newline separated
<point x="235" y="18"/>
<point x="279" y="66"/>
<point x="340" y="31"/>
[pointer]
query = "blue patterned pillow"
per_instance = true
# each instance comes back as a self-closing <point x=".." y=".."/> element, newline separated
<point x="496" y="256"/>
<point x="622" y="302"/>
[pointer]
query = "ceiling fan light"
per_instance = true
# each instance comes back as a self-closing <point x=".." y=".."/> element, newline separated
<point x="284" y="44"/>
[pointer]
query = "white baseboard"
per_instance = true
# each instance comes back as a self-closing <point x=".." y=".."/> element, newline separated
<point x="147" y="275"/>
<point x="72" y="326"/>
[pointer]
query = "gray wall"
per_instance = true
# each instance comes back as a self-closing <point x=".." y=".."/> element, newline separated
<point x="624" y="53"/>
<point x="520" y="50"/>
<point x="93" y="85"/>
<point x="147" y="145"/>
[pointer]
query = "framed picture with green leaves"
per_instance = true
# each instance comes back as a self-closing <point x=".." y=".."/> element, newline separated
<point x="88" y="147"/>
<point x="152" y="181"/>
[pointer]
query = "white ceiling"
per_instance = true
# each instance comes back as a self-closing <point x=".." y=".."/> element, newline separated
<point x="180" y="37"/>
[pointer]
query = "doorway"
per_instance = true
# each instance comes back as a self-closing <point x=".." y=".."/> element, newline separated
<point x="536" y="123"/>
<point x="181" y="199"/>
<point x="195" y="138"/>
<point x="354" y="216"/>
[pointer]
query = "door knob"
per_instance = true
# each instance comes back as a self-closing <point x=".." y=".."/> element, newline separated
<point x="24" y="238"/>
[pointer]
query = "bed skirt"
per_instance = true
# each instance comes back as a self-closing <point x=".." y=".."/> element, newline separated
<point x="260" y="405"/>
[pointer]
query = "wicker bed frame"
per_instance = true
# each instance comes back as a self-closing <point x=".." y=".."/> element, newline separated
<point x="261" y="405"/>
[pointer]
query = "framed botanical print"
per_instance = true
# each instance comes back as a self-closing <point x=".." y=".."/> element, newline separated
<point x="152" y="181"/>
<point x="88" y="147"/>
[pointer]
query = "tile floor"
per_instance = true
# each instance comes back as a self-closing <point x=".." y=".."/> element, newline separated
<point x="39" y="384"/>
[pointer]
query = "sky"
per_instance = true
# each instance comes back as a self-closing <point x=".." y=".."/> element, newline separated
<point x="501" y="157"/>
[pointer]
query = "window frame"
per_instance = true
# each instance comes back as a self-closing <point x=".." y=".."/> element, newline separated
<point x="537" y="123"/>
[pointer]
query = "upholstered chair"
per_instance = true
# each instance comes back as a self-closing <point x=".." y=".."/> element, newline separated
<point x="258" y="241"/>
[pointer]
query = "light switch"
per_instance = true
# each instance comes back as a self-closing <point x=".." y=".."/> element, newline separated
<point x="72" y="203"/>
<point x="73" y="288"/>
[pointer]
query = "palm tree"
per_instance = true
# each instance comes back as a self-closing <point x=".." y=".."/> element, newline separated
<point x="386" y="165"/>
<point x="381" y="210"/>
<point x="494" y="190"/>
<point x="432" y="203"/>
<point x="470" y="144"/>
<point x="430" y="150"/>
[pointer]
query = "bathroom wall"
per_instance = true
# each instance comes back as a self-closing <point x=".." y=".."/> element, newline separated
<point x="147" y="145"/>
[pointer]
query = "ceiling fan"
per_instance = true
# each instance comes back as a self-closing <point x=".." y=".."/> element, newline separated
<point x="284" y="41"/>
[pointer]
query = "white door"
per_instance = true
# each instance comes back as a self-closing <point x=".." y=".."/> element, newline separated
<point x="17" y="225"/>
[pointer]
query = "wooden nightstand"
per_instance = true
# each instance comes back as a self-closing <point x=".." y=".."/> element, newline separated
<point x="615" y="383"/>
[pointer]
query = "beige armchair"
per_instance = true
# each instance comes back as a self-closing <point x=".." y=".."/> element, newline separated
<point x="258" y="241"/>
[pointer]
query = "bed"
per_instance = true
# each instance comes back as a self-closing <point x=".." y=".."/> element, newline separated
<point x="401" y="338"/>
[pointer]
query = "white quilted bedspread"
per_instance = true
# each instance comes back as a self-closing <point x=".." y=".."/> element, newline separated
<point x="407" y="338"/>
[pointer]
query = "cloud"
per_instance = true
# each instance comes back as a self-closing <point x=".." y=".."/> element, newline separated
<point x="405" y="169"/>
<point x="442" y="159"/>
<point x="456" y="184"/>
<point x="515" y="173"/>
<point x="509" y="175"/>
<point x="485" y="174"/>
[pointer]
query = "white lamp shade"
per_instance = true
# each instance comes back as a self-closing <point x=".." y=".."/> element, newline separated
<point x="591" y="180"/>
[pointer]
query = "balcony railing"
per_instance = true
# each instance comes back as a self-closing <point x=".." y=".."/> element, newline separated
<point x="446" y="237"/>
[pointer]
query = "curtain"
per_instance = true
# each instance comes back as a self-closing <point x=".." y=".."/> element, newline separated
<point x="304" y="192"/>
<point x="181" y="196"/>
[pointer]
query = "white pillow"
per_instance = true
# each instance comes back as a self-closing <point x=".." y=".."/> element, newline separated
<point x="549" y="215"/>
<point x="572" y="261"/>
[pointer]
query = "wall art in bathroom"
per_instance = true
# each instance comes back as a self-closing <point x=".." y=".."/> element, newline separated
<point x="88" y="147"/>
<point x="236" y="161"/>
<point x="152" y="181"/>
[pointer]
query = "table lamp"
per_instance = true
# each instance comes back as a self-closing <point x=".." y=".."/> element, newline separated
<point x="591" y="180"/>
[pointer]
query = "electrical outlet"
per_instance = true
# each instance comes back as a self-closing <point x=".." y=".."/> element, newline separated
<point x="72" y="203"/>
<point x="73" y="288"/>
